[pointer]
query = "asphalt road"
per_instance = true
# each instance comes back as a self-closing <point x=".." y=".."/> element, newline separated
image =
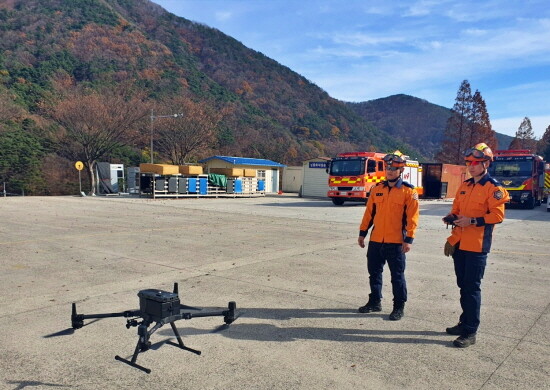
<point x="297" y="275"/>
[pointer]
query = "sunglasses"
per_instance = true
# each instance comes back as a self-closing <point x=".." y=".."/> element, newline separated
<point x="392" y="168"/>
<point x="473" y="163"/>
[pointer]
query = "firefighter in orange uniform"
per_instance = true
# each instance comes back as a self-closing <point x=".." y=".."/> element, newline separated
<point x="392" y="212"/>
<point x="477" y="207"/>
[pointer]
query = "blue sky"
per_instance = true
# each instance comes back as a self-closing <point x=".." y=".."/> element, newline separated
<point x="360" y="50"/>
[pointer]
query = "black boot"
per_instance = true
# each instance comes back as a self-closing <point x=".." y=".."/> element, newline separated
<point x="455" y="330"/>
<point x="398" y="311"/>
<point x="465" y="340"/>
<point x="371" y="306"/>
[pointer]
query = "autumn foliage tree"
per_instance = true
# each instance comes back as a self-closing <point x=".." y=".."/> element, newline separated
<point x="188" y="135"/>
<point x="457" y="130"/>
<point x="94" y="123"/>
<point x="480" y="125"/>
<point x="468" y="125"/>
<point x="9" y="111"/>
<point x="525" y="137"/>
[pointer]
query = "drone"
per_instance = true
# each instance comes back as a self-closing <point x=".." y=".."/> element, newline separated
<point x="159" y="307"/>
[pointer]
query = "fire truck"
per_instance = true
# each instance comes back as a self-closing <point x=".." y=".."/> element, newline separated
<point x="522" y="174"/>
<point x="352" y="175"/>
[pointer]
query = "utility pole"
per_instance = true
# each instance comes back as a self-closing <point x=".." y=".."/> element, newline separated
<point x="151" y="150"/>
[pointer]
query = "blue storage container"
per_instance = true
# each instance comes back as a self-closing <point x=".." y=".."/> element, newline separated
<point x="261" y="185"/>
<point x="238" y="186"/>
<point x="192" y="185"/>
<point x="203" y="185"/>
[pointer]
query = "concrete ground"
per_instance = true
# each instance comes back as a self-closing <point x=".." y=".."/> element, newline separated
<point x="297" y="275"/>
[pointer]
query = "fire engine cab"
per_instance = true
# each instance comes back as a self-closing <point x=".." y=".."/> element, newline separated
<point x="522" y="174"/>
<point x="352" y="175"/>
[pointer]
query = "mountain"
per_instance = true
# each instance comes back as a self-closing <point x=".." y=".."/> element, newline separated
<point x="415" y="121"/>
<point x="99" y="42"/>
<point x="504" y="140"/>
<point x="269" y="111"/>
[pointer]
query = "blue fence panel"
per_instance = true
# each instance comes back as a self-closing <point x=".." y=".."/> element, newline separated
<point x="203" y="185"/>
<point x="261" y="185"/>
<point x="192" y="185"/>
<point x="238" y="186"/>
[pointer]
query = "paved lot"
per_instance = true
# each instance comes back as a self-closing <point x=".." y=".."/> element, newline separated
<point x="297" y="275"/>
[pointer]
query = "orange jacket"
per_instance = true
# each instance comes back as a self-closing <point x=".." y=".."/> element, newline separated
<point x="483" y="201"/>
<point x="393" y="211"/>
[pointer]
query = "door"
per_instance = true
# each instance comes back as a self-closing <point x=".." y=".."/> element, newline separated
<point x="432" y="180"/>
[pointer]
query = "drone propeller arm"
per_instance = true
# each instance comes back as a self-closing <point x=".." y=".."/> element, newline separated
<point x="229" y="315"/>
<point x="77" y="320"/>
<point x="189" y="316"/>
<point x="133" y="313"/>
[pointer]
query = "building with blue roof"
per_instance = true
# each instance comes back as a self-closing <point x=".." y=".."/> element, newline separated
<point x="267" y="170"/>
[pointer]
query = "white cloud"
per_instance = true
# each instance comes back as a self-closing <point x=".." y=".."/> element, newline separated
<point x="362" y="39"/>
<point x="377" y="10"/>
<point x="479" y="11"/>
<point x="367" y="50"/>
<point x="421" y="8"/>
<point x="444" y="60"/>
<point x="223" y="16"/>
<point x="475" y="32"/>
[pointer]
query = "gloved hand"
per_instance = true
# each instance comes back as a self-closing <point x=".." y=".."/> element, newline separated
<point x="448" y="249"/>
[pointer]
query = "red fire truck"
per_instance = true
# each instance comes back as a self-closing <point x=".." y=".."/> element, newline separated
<point x="351" y="175"/>
<point x="522" y="174"/>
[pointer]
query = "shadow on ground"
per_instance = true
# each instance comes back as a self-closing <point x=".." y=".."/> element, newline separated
<point x="242" y="330"/>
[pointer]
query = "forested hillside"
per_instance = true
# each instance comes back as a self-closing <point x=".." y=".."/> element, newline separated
<point x="82" y="80"/>
<point x="55" y="50"/>
<point x="413" y="120"/>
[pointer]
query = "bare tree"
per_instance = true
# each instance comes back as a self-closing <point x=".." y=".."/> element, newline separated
<point x="96" y="122"/>
<point x="188" y="135"/>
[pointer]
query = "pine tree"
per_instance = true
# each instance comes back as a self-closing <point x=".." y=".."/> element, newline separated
<point x="525" y="137"/>
<point x="481" y="129"/>
<point x="457" y="131"/>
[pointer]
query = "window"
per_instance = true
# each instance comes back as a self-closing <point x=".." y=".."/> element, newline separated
<point x="371" y="166"/>
<point x="347" y="167"/>
<point x="510" y="168"/>
<point x="261" y="174"/>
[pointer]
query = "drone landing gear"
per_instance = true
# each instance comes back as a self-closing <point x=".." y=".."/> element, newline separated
<point x="144" y="344"/>
<point x="133" y="361"/>
<point x="180" y="341"/>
